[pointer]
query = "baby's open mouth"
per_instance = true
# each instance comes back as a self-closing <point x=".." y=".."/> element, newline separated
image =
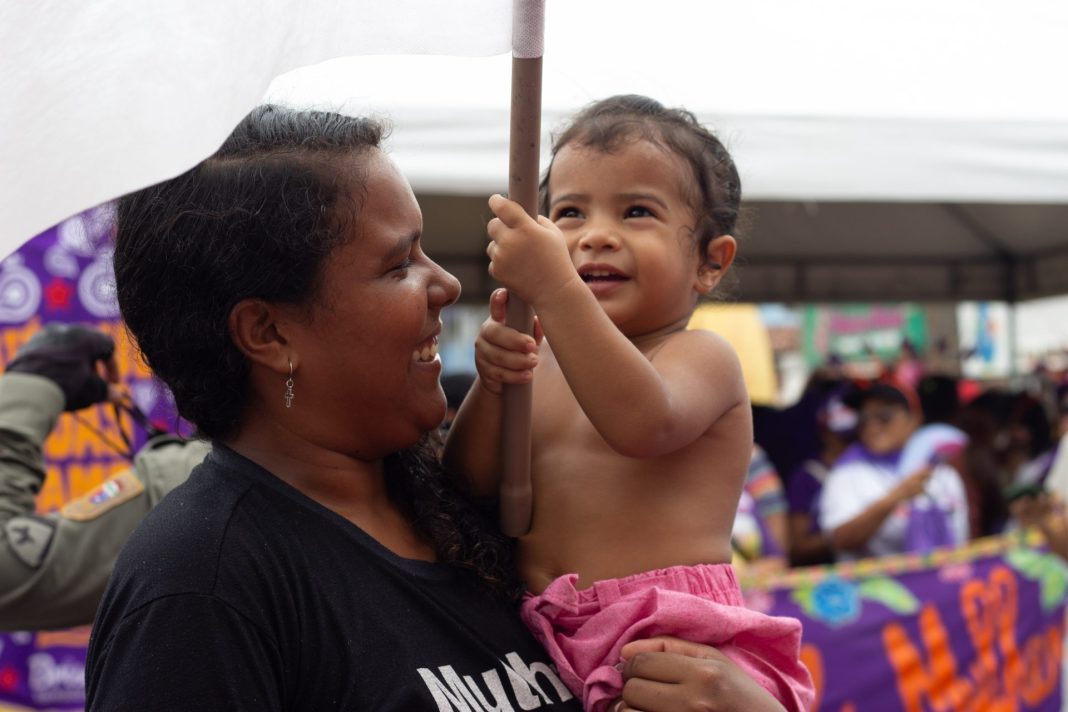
<point x="600" y="275"/>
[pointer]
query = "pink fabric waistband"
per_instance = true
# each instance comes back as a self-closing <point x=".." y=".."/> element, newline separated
<point x="715" y="582"/>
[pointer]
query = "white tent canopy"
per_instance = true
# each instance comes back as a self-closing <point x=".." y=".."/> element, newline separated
<point x="824" y="100"/>
<point x="888" y="149"/>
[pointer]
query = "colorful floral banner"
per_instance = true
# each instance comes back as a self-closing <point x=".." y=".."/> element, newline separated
<point x="978" y="628"/>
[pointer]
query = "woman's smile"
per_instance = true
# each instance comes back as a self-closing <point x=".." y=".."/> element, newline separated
<point x="427" y="352"/>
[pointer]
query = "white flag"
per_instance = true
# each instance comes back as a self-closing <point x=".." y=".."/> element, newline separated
<point x="103" y="97"/>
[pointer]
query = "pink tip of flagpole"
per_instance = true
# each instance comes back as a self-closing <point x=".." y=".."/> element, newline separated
<point x="528" y="28"/>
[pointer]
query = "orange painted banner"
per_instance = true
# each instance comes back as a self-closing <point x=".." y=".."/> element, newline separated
<point x="974" y="629"/>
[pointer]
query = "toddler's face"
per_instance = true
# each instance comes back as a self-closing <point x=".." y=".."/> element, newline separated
<point x="630" y="231"/>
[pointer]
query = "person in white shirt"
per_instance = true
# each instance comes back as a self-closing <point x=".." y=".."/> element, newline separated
<point x="868" y="507"/>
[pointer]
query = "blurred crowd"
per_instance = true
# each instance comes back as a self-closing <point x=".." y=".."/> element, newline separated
<point x="901" y="463"/>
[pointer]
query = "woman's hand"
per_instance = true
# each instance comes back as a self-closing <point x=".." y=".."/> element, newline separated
<point x="674" y="675"/>
<point x="504" y="355"/>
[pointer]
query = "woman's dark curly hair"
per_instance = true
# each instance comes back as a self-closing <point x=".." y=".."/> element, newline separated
<point x="715" y="193"/>
<point x="257" y="220"/>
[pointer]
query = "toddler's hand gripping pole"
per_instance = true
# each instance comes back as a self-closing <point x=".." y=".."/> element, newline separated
<point x="528" y="30"/>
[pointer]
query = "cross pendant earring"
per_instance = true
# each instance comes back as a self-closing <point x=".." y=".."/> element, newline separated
<point x="289" y="387"/>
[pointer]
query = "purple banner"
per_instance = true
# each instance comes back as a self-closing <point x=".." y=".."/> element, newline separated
<point x="978" y="628"/>
<point x="43" y="671"/>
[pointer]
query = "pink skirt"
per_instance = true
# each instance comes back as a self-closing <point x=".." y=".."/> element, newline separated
<point x="584" y="630"/>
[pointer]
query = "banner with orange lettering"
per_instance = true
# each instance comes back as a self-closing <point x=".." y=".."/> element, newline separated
<point x="979" y="628"/>
<point x="65" y="275"/>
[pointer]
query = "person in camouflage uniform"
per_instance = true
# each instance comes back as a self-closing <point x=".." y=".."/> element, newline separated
<point x="54" y="567"/>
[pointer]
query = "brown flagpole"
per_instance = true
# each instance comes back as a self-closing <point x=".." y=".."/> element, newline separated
<point x="528" y="29"/>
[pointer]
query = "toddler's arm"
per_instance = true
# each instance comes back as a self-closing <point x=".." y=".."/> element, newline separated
<point x="643" y="406"/>
<point x="502" y="356"/>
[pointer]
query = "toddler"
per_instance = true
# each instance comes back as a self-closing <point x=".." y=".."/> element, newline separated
<point x="641" y="430"/>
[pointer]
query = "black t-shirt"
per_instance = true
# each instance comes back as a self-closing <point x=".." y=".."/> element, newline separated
<point x="239" y="593"/>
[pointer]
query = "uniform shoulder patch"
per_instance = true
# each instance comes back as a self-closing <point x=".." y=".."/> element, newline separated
<point x="28" y="538"/>
<point x="119" y="489"/>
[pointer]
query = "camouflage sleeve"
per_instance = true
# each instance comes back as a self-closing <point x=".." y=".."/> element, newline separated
<point x="29" y="406"/>
<point x="53" y="568"/>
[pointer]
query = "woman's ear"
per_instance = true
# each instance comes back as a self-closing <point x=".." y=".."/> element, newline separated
<point x="717" y="259"/>
<point x="258" y="330"/>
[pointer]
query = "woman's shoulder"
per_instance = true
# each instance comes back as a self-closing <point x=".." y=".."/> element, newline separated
<point x="219" y="536"/>
<point x="182" y="537"/>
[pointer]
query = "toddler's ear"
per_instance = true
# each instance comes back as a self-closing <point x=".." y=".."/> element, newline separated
<point x="717" y="260"/>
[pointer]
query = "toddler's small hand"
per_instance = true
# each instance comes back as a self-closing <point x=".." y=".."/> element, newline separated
<point x="504" y="355"/>
<point x="528" y="256"/>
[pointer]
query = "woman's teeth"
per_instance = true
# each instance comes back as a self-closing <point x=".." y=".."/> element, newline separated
<point x="427" y="353"/>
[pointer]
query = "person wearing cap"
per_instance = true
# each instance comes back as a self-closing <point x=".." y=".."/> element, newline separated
<point x="54" y="567"/>
<point x="868" y="507"/>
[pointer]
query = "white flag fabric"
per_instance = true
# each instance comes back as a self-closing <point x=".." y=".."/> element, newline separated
<point x="103" y="97"/>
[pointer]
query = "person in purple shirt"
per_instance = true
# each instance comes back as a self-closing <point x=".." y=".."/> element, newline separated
<point x="837" y="430"/>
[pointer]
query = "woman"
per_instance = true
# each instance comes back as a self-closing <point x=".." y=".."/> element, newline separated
<point x="867" y="507"/>
<point x="317" y="559"/>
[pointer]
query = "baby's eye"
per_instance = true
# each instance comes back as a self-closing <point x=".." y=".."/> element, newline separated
<point x="638" y="211"/>
<point x="566" y="212"/>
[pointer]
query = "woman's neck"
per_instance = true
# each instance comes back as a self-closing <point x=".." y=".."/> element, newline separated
<point x="316" y="471"/>
<point x="345" y="484"/>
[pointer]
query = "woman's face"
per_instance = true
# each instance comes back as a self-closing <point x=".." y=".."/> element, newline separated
<point x="366" y="379"/>
<point x="884" y="427"/>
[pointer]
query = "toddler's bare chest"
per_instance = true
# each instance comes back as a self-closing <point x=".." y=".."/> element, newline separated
<point x="558" y="419"/>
